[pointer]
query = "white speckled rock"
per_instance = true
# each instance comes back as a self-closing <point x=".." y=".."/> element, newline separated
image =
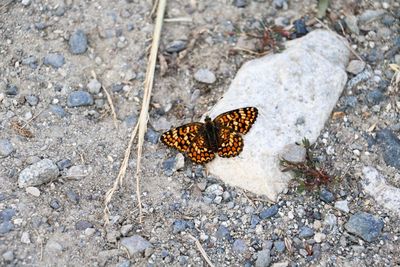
<point x="386" y="195"/>
<point x="38" y="173"/>
<point x="295" y="92"/>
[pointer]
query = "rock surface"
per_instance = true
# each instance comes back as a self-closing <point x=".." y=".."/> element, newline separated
<point x="386" y="195"/>
<point x="135" y="244"/>
<point x="364" y="225"/>
<point x="38" y="173"/>
<point x="306" y="85"/>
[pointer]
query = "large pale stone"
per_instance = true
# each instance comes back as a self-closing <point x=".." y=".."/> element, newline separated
<point x="386" y="195"/>
<point x="295" y="92"/>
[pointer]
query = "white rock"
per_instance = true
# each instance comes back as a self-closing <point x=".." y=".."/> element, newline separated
<point x="38" y="173"/>
<point x="94" y="86"/>
<point x="342" y="205"/>
<point x="34" y="191"/>
<point x="205" y="76"/>
<point x="319" y="237"/>
<point x="180" y="161"/>
<point x="355" y="66"/>
<point x="302" y="83"/>
<point x="25" y="238"/>
<point x="375" y="185"/>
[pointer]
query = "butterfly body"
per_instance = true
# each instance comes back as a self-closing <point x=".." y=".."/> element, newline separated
<point x="222" y="136"/>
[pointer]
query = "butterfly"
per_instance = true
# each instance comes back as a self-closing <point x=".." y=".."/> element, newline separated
<point x="222" y="136"/>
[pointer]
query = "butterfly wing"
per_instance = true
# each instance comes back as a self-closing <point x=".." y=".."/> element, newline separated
<point x="230" y="143"/>
<point x="199" y="152"/>
<point x="181" y="137"/>
<point x="239" y="120"/>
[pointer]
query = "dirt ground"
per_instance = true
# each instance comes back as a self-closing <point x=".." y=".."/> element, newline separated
<point x="64" y="225"/>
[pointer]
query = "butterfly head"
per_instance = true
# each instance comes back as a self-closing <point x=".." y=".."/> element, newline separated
<point x="207" y="119"/>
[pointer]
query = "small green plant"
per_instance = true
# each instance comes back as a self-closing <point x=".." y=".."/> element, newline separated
<point x="308" y="172"/>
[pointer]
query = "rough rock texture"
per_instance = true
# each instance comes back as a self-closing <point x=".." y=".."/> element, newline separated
<point x="295" y="92"/>
<point x="386" y="195"/>
<point x="38" y="173"/>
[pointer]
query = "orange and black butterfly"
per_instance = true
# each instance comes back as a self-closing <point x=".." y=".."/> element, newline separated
<point x="200" y="141"/>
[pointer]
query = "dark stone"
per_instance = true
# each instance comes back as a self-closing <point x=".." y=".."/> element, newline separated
<point x="326" y="196"/>
<point x="55" y="204"/>
<point x="58" y="110"/>
<point x="78" y="42"/>
<point x="169" y="166"/>
<point x="60" y="11"/>
<point x="364" y="225"/>
<point x="306" y="232"/>
<point x="117" y="87"/>
<point x="279" y="3"/>
<point x="30" y="61"/>
<point x="11" y="89"/>
<point x="300" y="28"/>
<point x="179" y="226"/>
<point x="56" y="60"/>
<point x="6" y="227"/>
<point x="82" y="225"/>
<point x="374" y="56"/>
<point x="176" y="46"/>
<point x="6" y="215"/>
<point x="32" y="100"/>
<point x="73" y="197"/>
<point x="269" y="212"/>
<point x="350" y="101"/>
<point x="390" y="144"/>
<point x="374" y="97"/>
<point x="40" y="26"/>
<point x="79" y="98"/>
<point x="279" y="246"/>
<point x="240" y="3"/>
<point x="151" y="136"/>
<point x="64" y="164"/>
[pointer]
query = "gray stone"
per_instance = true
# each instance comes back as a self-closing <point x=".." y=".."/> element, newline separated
<point x="280" y="4"/>
<point x="8" y="256"/>
<point x="53" y="247"/>
<point x="125" y="229"/>
<point x="364" y="225"/>
<point x="6" y="148"/>
<point x="32" y="100"/>
<point x="6" y="227"/>
<point x="374" y="97"/>
<point x="94" y="86"/>
<point x="239" y="246"/>
<point x="152" y="136"/>
<point x="214" y="189"/>
<point x="83" y="225"/>
<point x="40" y="26"/>
<point x="390" y="144"/>
<point x="64" y="164"/>
<point x="169" y="166"/>
<point x="205" y="76"/>
<point x="355" y="67"/>
<point x="179" y="226"/>
<point x="370" y="15"/>
<point x="38" y="173"/>
<point x="176" y="46"/>
<point x="308" y="76"/>
<point x="11" y="89"/>
<point x="223" y="233"/>
<point x="326" y="196"/>
<point x="26" y="2"/>
<point x="269" y="212"/>
<point x="306" y="232"/>
<point x="135" y="244"/>
<point x="73" y="196"/>
<point x="263" y="258"/>
<point x="56" y="60"/>
<point x="79" y="98"/>
<point x="351" y="22"/>
<point x="55" y="204"/>
<point x="6" y="215"/>
<point x="240" y="3"/>
<point x="78" y="42"/>
<point x="386" y="195"/>
<point x="279" y="246"/>
<point x="30" y="61"/>
<point x="350" y="101"/>
<point x="342" y="205"/>
<point x="58" y="110"/>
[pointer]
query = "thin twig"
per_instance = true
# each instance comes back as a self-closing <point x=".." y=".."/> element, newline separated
<point x="182" y="19"/>
<point x="110" y="102"/>
<point x="345" y="43"/>
<point x="202" y="251"/>
<point x="120" y="178"/>
<point x="148" y="86"/>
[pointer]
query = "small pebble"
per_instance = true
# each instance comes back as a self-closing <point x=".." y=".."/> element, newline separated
<point x="205" y="76"/>
<point x="82" y="225"/>
<point x="364" y="225"/>
<point x="319" y="237"/>
<point x="78" y="42"/>
<point x="73" y="197"/>
<point x="180" y="161"/>
<point x="34" y="191"/>
<point x="25" y="239"/>
<point x="326" y="196"/>
<point x="135" y="244"/>
<point x="55" y="204"/>
<point x="125" y="229"/>
<point x="179" y="226"/>
<point x="342" y="205"/>
<point x="26" y="2"/>
<point x="351" y="23"/>
<point x="375" y="97"/>
<point x="223" y="233"/>
<point x="239" y="246"/>
<point x="64" y="164"/>
<point x="279" y="246"/>
<point x="94" y="86"/>
<point x="280" y="4"/>
<point x="38" y="173"/>
<point x="8" y="256"/>
<point x="151" y="136"/>
<point x="6" y="227"/>
<point x="240" y="3"/>
<point x="11" y="89"/>
<point x="32" y="100"/>
<point x="306" y="232"/>
<point x="263" y="258"/>
<point x="269" y="212"/>
<point x="56" y="60"/>
<point x="79" y="99"/>
<point x="355" y="67"/>
<point x="30" y="61"/>
<point x="90" y="231"/>
<point x="6" y="148"/>
<point x="176" y="46"/>
<point x="58" y="110"/>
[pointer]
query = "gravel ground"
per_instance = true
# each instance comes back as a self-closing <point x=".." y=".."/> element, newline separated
<point x="60" y="151"/>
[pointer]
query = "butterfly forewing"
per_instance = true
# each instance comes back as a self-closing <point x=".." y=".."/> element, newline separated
<point x="181" y="137"/>
<point x="238" y="120"/>
<point x="231" y="143"/>
<point x="199" y="152"/>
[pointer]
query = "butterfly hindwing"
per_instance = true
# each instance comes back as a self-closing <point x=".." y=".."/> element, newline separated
<point x="230" y="143"/>
<point x="199" y="152"/>
<point x="238" y="120"/>
<point x="181" y="137"/>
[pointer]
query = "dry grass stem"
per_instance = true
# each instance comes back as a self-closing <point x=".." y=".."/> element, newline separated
<point x="182" y="19"/>
<point x="202" y="251"/>
<point x="110" y="102"/>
